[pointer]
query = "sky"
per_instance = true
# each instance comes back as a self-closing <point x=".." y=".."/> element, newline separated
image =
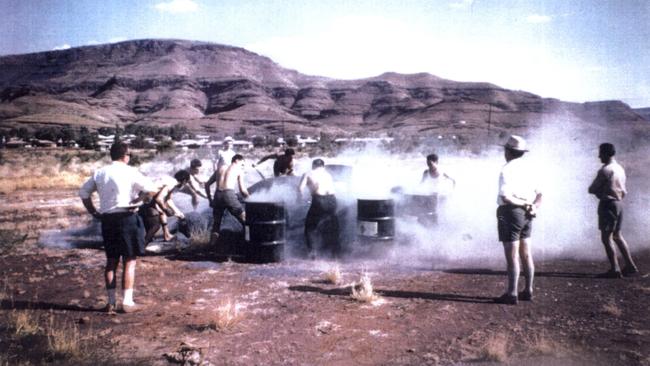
<point x="576" y="50"/>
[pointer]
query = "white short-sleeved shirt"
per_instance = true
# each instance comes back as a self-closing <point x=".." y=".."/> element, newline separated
<point x="117" y="184"/>
<point x="518" y="179"/>
<point x="224" y="157"/>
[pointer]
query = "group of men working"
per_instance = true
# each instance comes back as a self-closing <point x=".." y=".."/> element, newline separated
<point x="519" y="198"/>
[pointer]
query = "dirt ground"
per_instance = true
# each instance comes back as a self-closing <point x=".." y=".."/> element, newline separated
<point x="288" y="313"/>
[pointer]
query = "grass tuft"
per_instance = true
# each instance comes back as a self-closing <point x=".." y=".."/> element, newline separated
<point x="226" y="316"/>
<point x="333" y="275"/>
<point x="24" y="323"/>
<point x="611" y="308"/>
<point x="363" y="290"/>
<point x="64" y="340"/>
<point x="495" y="348"/>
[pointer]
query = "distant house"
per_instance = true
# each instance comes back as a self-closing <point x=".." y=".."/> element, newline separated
<point x="43" y="143"/>
<point x="302" y="142"/>
<point x="362" y="140"/>
<point x="241" y="144"/>
<point x="14" y="143"/>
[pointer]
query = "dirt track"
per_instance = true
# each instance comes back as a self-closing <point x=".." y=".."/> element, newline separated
<point x="288" y="314"/>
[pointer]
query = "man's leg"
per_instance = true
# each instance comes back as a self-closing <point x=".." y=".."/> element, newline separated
<point x="606" y="238"/>
<point x="511" y="249"/>
<point x="527" y="261"/>
<point x="128" y="280"/>
<point x="110" y="279"/>
<point x="624" y="249"/>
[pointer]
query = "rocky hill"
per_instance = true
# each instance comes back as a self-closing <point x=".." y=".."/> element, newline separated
<point x="220" y="89"/>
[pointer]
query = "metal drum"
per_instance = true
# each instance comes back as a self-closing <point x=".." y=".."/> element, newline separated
<point x="375" y="219"/>
<point x="264" y="231"/>
<point x="422" y="206"/>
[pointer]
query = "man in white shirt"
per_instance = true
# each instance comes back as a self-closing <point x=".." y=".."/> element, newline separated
<point x="122" y="229"/>
<point x="518" y="200"/>
<point x="224" y="156"/>
<point x="321" y="224"/>
<point x="609" y="188"/>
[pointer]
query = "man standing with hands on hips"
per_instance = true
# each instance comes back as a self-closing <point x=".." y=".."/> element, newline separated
<point x="518" y="200"/>
<point x="122" y="229"/>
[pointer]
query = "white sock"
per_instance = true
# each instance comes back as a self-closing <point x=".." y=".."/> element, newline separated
<point x="111" y="295"/>
<point x="128" y="297"/>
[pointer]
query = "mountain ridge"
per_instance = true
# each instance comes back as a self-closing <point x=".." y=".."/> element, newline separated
<point x="220" y="89"/>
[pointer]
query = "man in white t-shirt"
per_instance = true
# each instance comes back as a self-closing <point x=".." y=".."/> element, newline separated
<point x="518" y="199"/>
<point x="122" y="229"/>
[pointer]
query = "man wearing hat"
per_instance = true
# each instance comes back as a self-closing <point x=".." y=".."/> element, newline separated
<point x="224" y="156"/>
<point x="518" y="199"/>
<point x="609" y="188"/>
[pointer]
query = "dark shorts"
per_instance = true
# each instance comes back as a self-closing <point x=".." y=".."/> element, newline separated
<point x="123" y="235"/>
<point x="610" y="216"/>
<point x="512" y="223"/>
<point x="225" y="200"/>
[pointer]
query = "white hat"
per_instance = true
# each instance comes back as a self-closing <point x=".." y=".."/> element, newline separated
<point x="228" y="138"/>
<point x="516" y="143"/>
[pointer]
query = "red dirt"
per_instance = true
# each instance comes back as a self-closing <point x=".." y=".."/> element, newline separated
<point x="289" y="315"/>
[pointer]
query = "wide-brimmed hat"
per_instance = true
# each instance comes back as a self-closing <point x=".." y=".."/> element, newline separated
<point x="516" y="143"/>
<point x="228" y="138"/>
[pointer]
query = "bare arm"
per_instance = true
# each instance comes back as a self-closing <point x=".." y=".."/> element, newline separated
<point x="213" y="179"/>
<point x="242" y="187"/>
<point x="302" y="185"/>
<point x="90" y="207"/>
<point x="267" y="157"/>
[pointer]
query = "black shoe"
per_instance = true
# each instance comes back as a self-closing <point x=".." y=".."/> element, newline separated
<point x="610" y="274"/>
<point x="525" y="296"/>
<point x="506" y="299"/>
<point x="631" y="272"/>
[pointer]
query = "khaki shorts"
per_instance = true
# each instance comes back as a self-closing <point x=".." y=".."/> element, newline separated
<point x="512" y="223"/>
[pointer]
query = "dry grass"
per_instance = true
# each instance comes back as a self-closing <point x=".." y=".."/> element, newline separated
<point x="542" y="345"/>
<point x="611" y="308"/>
<point x="199" y="239"/>
<point x="495" y="348"/>
<point x="23" y="322"/>
<point x="226" y="316"/>
<point x="43" y="171"/>
<point x="64" y="340"/>
<point x="363" y="290"/>
<point x="333" y="275"/>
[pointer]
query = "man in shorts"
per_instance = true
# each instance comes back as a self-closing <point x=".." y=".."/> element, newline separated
<point x="225" y="197"/>
<point x="518" y="199"/>
<point x="609" y="188"/>
<point x="122" y="228"/>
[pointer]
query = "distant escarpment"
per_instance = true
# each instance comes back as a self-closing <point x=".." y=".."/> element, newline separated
<point x="219" y="89"/>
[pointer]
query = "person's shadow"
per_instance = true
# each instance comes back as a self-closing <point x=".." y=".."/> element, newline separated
<point x="346" y="291"/>
<point x="490" y="272"/>
<point x="43" y="305"/>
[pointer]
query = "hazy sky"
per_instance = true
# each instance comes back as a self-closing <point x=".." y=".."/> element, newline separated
<point x="574" y="50"/>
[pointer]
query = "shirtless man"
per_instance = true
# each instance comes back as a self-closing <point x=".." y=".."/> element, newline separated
<point x="321" y="224"/>
<point x="229" y="179"/>
<point x="194" y="186"/>
<point x="434" y="172"/>
<point x="283" y="164"/>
